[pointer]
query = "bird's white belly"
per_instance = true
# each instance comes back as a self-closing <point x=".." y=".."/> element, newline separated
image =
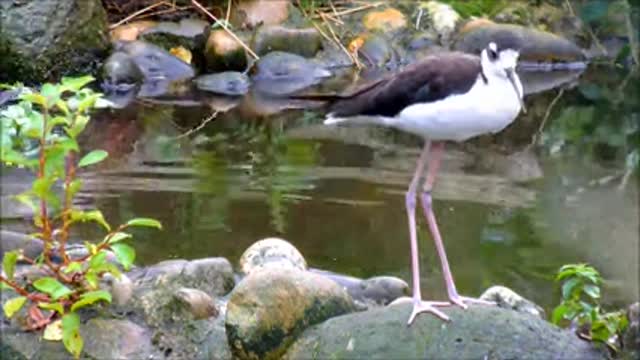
<point x="484" y="109"/>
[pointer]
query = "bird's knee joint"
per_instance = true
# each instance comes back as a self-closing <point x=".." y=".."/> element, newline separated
<point x="427" y="201"/>
<point x="410" y="199"/>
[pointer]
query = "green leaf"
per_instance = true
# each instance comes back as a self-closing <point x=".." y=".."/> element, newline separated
<point x="76" y="83"/>
<point x="88" y="102"/>
<point x="593" y="291"/>
<point x="51" y="93"/>
<point x="74" y="187"/>
<point x="569" y="286"/>
<point x="558" y="313"/>
<point x="117" y="237"/>
<point x="42" y="186"/>
<point x="62" y="106"/>
<point x="90" y="298"/>
<point x="92" y="158"/>
<point x="98" y="259"/>
<point x="9" y="263"/>
<point x="14" y="305"/>
<point x="57" y="307"/>
<point x="92" y="278"/>
<point x="34" y="98"/>
<point x="51" y="286"/>
<point x="71" y="334"/>
<point x="93" y="215"/>
<point x="148" y="222"/>
<point x="74" y="266"/>
<point x="78" y="126"/>
<point x="125" y="254"/>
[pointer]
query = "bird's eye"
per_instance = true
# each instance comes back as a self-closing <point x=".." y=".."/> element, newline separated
<point x="493" y="55"/>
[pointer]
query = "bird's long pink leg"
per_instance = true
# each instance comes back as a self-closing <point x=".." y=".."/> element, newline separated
<point x="434" y="163"/>
<point x="419" y="306"/>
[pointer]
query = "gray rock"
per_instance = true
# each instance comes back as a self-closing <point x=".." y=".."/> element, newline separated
<point x="269" y="308"/>
<point x="375" y="291"/>
<point x="304" y="42"/>
<point x="509" y="299"/>
<point x="44" y="39"/>
<point x="536" y="45"/>
<point x="480" y="332"/>
<point x="226" y="83"/>
<point x="271" y="253"/>
<point x="376" y="51"/>
<point x="119" y="68"/>
<point x="116" y="339"/>
<point x="281" y="73"/>
<point x="155" y="287"/>
<point x="155" y="63"/>
<point x="631" y="335"/>
<point x="197" y="303"/>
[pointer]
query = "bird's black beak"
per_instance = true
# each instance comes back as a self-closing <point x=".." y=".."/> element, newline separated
<point x="512" y="79"/>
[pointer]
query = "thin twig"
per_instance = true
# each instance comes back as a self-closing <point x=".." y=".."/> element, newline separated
<point x="139" y="12"/>
<point x="224" y="26"/>
<point x="199" y="127"/>
<point x="589" y="30"/>
<point x="356" y="9"/>
<point x="226" y="18"/>
<point x="337" y="40"/>
<point x="633" y="37"/>
<point x="547" y="113"/>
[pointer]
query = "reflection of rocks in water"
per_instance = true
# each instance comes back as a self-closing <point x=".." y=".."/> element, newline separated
<point x="539" y="81"/>
<point x="226" y="83"/>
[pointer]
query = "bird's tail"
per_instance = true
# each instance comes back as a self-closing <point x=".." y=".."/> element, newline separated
<point x="358" y="120"/>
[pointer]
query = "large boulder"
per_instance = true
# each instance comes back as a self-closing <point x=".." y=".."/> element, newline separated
<point x="270" y="307"/>
<point x="480" y="332"/>
<point x="44" y="39"/>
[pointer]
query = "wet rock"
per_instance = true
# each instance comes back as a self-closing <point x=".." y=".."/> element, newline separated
<point x="271" y="253"/>
<point x="226" y="83"/>
<point x="443" y="18"/>
<point x="251" y="13"/>
<point x="156" y="286"/>
<point x="376" y="51"/>
<point x="536" y="45"/>
<point x="120" y="68"/>
<point x="223" y="52"/>
<point x="304" y="42"/>
<point x="375" y="291"/>
<point x="197" y="303"/>
<point x="121" y="288"/>
<point x="104" y="339"/>
<point x="631" y="335"/>
<point x="269" y="308"/>
<point x="283" y="73"/>
<point x="385" y="20"/>
<point x="61" y="37"/>
<point x="131" y="31"/>
<point x="188" y="34"/>
<point x="116" y="339"/>
<point x="480" y="332"/>
<point x="509" y="299"/>
<point x="154" y="63"/>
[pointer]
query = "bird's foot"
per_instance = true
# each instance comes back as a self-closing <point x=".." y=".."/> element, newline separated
<point x="421" y="306"/>
<point x="464" y="301"/>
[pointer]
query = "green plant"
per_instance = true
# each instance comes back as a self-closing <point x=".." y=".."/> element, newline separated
<point x="40" y="134"/>
<point x="581" y="304"/>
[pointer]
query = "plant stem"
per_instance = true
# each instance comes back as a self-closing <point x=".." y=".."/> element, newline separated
<point x="70" y="171"/>
<point x="22" y="291"/>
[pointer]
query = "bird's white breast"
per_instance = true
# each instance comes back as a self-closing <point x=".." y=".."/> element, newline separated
<point x="485" y="108"/>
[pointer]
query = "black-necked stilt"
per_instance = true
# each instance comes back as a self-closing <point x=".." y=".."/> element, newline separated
<point x="448" y="96"/>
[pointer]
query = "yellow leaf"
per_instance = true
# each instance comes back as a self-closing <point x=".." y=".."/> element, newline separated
<point x="181" y="53"/>
<point x="53" y="331"/>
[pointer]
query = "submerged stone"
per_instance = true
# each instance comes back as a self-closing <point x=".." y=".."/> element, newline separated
<point x="480" y="332"/>
<point x="226" y="83"/>
<point x="269" y="308"/>
<point x="154" y="62"/>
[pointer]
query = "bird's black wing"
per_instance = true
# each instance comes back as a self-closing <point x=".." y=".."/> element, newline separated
<point x="432" y="79"/>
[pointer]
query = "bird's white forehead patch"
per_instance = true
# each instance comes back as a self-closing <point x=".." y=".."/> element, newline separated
<point x="493" y="46"/>
<point x="509" y="58"/>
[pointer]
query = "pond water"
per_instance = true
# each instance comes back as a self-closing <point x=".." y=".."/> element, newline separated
<point x="510" y="212"/>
